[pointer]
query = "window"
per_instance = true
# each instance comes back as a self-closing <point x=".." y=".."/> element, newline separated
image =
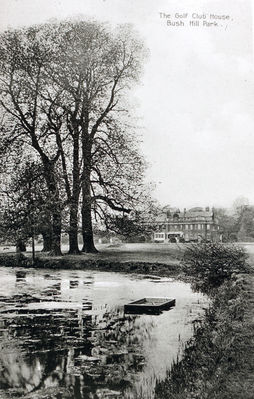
<point x="175" y="217"/>
<point x="159" y="235"/>
<point x="199" y="226"/>
<point x="208" y="227"/>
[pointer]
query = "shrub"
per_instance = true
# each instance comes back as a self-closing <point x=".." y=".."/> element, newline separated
<point x="211" y="263"/>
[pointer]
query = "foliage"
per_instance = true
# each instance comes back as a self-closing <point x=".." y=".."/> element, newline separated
<point x="27" y="208"/>
<point x="245" y="224"/>
<point x="216" y="360"/>
<point x="124" y="226"/>
<point x="139" y="222"/>
<point x="212" y="263"/>
<point x="228" y="223"/>
<point x="237" y="224"/>
<point x="63" y="95"/>
<point x="239" y="204"/>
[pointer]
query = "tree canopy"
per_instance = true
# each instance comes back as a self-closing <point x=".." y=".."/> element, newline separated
<point x="64" y="96"/>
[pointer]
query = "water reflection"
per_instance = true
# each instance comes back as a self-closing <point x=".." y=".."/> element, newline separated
<point x="65" y="335"/>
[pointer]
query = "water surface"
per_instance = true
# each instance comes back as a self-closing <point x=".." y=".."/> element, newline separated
<point x="64" y="334"/>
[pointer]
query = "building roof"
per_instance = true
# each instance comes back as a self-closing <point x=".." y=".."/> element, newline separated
<point x="193" y="213"/>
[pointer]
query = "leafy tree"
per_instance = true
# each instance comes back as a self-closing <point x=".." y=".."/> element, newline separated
<point x="26" y="213"/>
<point x="238" y="223"/>
<point x="138" y="223"/>
<point x="63" y="89"/>
<point x="227" y="222"/>
<point x="26" y="116"/>
<point x="94" y="67"/>
<point x="239" y="204"/>
<point x="245" y="224"/>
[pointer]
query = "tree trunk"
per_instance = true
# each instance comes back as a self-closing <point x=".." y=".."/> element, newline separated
<point x="87" y="228"/>
<point x="20" y="245"/>
<point x="55" y="208"/>
<point x="86" y="210"/>
<point x="73" y="232"/>
<point x="56" y="231"/>
<point x="87" y="231"/>
<point x="47" y="241"/>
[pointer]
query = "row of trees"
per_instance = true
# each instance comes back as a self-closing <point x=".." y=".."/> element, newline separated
<point x="237" y="222"/>
<point x="65" y="119"/>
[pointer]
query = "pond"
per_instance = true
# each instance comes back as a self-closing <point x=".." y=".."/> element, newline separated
<point x="64" y="334"/>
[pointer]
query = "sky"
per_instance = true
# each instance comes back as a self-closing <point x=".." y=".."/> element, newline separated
<point x="195" y="100"/>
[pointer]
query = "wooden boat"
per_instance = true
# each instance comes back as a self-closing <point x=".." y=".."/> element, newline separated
<point x="149" y="305"/>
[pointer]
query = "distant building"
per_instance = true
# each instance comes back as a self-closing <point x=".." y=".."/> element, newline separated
<point x="195" y="224"/>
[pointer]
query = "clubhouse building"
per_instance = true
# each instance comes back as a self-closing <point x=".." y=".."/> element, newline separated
<point x="195" y="224"/>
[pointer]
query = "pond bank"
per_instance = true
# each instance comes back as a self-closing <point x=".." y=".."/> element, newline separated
<point x="218" y="361"/>
<point x="84" y="263"/>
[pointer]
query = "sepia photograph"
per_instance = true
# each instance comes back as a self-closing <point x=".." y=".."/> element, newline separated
<point x="126" y="199"/>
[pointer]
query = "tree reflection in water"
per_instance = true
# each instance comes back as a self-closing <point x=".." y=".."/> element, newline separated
<point x="57" y="343"/>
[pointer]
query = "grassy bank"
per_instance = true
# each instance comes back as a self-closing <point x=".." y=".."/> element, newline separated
<point x="218" y="362"/>
<point x="123" y="252"/>
<point x="97" y="262"/>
